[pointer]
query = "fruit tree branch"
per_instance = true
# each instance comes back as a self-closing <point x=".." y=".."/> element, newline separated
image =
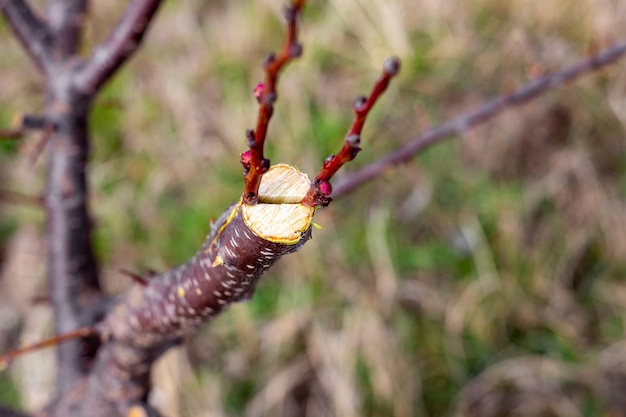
<point x="33" y="33"/>
<point x="254" y="162"/>
<point x="122" y="42"/>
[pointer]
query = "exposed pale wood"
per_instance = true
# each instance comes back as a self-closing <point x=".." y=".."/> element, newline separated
<point x="279" y="216"/>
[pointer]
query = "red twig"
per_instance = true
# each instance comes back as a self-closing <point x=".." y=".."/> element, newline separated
<point x="254" y="162"/>
<point x="319" y="193"/>
<point x="482" y="114"/>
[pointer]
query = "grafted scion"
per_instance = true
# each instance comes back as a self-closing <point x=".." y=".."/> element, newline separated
<point x="321" y="188"/>
<point x="253" y="160"/>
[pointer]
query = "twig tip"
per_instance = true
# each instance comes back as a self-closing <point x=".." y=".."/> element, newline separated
<point x="391" y="66"/>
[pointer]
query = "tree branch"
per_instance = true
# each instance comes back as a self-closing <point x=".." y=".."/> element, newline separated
<point x="319" y="193"/>
<point x="67" y="18"/>
<point x="254" y="162"/>
<point x="32" y="32"/>
<point x="482" y="114"/>
<point x="123" y="41"/>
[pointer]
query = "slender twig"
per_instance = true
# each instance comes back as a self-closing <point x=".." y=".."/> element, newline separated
<point x="53" y="341"/>
<point x="13" y="197"/>
<point x="482" y="114"/>
<point x="134" y="276"/>
<point x="10" y="134"/>
<point x="254" y="162"/>
<point x="123" y="41"/>
<point x="319" y="193"/>
<point x="32" y="32"/>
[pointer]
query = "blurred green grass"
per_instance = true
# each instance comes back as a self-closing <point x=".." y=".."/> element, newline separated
<point x="428" y="292"/>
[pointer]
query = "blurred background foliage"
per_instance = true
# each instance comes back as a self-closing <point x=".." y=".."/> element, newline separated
<point x="485" y="278"/>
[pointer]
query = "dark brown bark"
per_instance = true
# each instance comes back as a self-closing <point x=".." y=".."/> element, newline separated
<point x="72" y="83"/>
<point x="148" y="319"/>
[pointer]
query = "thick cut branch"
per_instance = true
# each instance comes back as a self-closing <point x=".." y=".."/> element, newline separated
<point x="112" y="53"/>
<point x="244" y="243"/>
<point x="254" y="162"/>
<point x="32" y="32"/>
<point x="482" y="114"/>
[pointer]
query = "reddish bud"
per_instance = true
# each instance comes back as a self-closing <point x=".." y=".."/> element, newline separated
<point x="246" y="157"/>
<point x="258" y="91"/>
<point x="325" y="188"/>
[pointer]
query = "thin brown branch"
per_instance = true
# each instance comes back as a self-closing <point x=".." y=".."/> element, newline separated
<point x="480" y="115"/>
<point x="33" y="33"/>
<point x="53" y="341"/>
<point x="121" y="44"/>
<point x="254" y="162"/>
<point x="319" y="193"/>
<point x="13" y="197"/>
<point x="135" y="277"/>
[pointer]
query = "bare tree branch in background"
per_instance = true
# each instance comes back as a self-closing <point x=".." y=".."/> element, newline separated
<point x="482" y="114"/>
<point x="72" y="268"/>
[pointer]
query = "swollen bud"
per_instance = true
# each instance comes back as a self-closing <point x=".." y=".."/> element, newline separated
<point x="258" y="91"/>
<point x="353" y="140"/>
<point x="246" y="157"/>
<point x="270" y="60"/>
<point x="290" y="14"/>
<point x="391" y="66"/>
<point x="295" y="50"/>
<point x="359" y="103"/>
<point x="325" y="187"/>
